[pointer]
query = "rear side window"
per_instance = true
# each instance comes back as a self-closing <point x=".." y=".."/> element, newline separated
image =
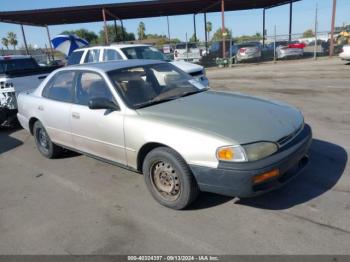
<point x="61" y="87"/>
<point x="92" y="56"/>
<point x="17" y="64"/>
<point x="75" y="57"/>
<point x="111" y="54"/>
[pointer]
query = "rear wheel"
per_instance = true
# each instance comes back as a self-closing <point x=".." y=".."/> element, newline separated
<point x="169" y="178"/>
<point x="44" y="143"/>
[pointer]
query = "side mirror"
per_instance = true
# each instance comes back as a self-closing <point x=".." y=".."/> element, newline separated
<point x="102" y="103"/>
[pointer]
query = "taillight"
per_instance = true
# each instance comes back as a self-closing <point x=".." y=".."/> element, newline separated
<point x="242" y="50"/>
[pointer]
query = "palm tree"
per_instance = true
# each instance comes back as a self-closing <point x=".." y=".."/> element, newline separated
<point x="209" y="29"/>
<point x="5" y="42"/>
<point x="141" y="30"/>
<point x="12" y="38"/>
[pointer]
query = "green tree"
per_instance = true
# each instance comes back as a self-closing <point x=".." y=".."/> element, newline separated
<point x="113" y="37"/>
<point x="12" y="38"/>
<point x="308" y="33"/>
<point x="209" y="29"/>
<point x="141" y="30"/>
<point x="90" y="36"/>
<point x="193" y="39"/>
<point x="5" y="42"/>
<point x="218" y="34"/>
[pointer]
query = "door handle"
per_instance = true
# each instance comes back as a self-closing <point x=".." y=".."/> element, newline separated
<point x="76" y="115"/>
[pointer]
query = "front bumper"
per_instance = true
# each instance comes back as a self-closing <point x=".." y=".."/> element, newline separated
<point x="236" y="179"/>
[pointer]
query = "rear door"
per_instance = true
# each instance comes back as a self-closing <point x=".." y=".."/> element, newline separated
<point x="97" y="132"/>
<point x="54" y="109"/>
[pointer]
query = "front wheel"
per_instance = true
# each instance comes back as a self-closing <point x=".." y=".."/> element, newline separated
<point x="44" y="143"/>
<point x="169" y="178"/>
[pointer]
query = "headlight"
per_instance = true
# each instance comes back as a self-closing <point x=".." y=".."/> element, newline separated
<point x="259" y="150"/>
<point x="244" y="153"/>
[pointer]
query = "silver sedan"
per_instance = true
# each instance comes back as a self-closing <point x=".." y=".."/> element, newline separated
<point x="152" y="118"/>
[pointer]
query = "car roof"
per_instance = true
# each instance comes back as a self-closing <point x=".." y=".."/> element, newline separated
<point x="110" y="45"/>
<point x="113" y="65"/>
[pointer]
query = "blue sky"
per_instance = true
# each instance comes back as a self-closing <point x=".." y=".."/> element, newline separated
<point x="240" y="22"/>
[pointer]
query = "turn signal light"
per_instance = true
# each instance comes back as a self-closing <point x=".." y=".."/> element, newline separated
<point x="225" y="154"/>
<point x="266" y="176"/>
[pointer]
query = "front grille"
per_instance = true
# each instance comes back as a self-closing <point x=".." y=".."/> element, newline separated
<point x="286" y="139"/>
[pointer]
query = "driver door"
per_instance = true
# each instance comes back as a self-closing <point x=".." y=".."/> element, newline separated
<point x="96" y="132"/>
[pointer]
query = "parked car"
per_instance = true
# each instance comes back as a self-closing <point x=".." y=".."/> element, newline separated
<point x="187" y="52"/>
<point x="18" y="73"/>
<point x="246" y="52"/>
<point x="296" y="44"/>
<point x="286" y="50"/>
<point x="345" y="55"/>
<point x="132" y="51"/>
<point x="151" y="117"/>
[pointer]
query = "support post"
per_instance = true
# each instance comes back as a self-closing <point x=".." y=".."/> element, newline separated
<point x="290" y="20"/>
<point x="167" y="20"/>
<point x="24" y="40"/>
<point x="316" y="29"/>
<point x="194" y="28"/>
<point x="331" y="48"/>
<point x="50" y="44"/>
<point x="105" y="26"/>
<point x="206" y="32"/>
<point x="274" y="45"/>
<point x="264" y="26"/>
<point x="115" y="31"/>
<point x="223" y="28"/>
<point x="123" y="31"/>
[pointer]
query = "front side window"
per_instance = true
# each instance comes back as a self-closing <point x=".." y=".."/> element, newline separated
<point x="111" y="55"/>
<point x="151" y="84"/>
<point x="92" y="56"/>
<point x="61" y="87"/>
<point x="91" y="85"/>
<point x="143" y="52"/>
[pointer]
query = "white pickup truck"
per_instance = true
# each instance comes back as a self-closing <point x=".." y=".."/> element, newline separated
<point x="18" y="73"/>
<point x="112" y="52"/>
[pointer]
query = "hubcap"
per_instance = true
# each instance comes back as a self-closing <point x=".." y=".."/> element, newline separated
<point x="165" y="180"/>
<point x="43" y="139"/>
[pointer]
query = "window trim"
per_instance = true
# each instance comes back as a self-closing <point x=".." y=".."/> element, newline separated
<point x="52" y="81"/>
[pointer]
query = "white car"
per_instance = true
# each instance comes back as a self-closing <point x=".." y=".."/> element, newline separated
<point x="187" y="52"/>
<point x="345" y="55"/>
<point x="131" y="51"/>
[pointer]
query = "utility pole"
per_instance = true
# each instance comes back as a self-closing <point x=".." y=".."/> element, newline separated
<point x="331" y="49"/>
<point x="167" y="19"/>
<point x="316" y="26"/>
<point x="223" y="29"/>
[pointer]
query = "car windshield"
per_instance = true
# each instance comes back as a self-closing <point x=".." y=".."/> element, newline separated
<point x="148" y="85"/>
<point x="143" y="52"/>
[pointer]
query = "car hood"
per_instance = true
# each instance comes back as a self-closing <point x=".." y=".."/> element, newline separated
<point x="237" y="117"/>
<point x="187" y="67"/>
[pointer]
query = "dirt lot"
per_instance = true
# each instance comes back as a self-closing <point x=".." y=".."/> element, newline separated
<point x="78" y="205"/>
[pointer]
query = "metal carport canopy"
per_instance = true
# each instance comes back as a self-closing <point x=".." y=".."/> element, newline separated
<point x="130" y="10"/>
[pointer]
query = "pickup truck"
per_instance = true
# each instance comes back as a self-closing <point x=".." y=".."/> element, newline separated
<point x="18" y="73"/>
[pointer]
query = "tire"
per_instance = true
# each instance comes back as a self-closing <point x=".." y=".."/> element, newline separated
<point x="169" y="178"/>
<point x="44" y="143"/>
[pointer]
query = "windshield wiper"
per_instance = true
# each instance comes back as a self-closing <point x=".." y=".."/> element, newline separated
<point x="154" y="102"/>
<point x="192" y="92"/>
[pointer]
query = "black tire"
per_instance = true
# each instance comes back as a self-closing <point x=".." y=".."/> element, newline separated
<point x="44" y="143"/>
<point x="166" y="165"/>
